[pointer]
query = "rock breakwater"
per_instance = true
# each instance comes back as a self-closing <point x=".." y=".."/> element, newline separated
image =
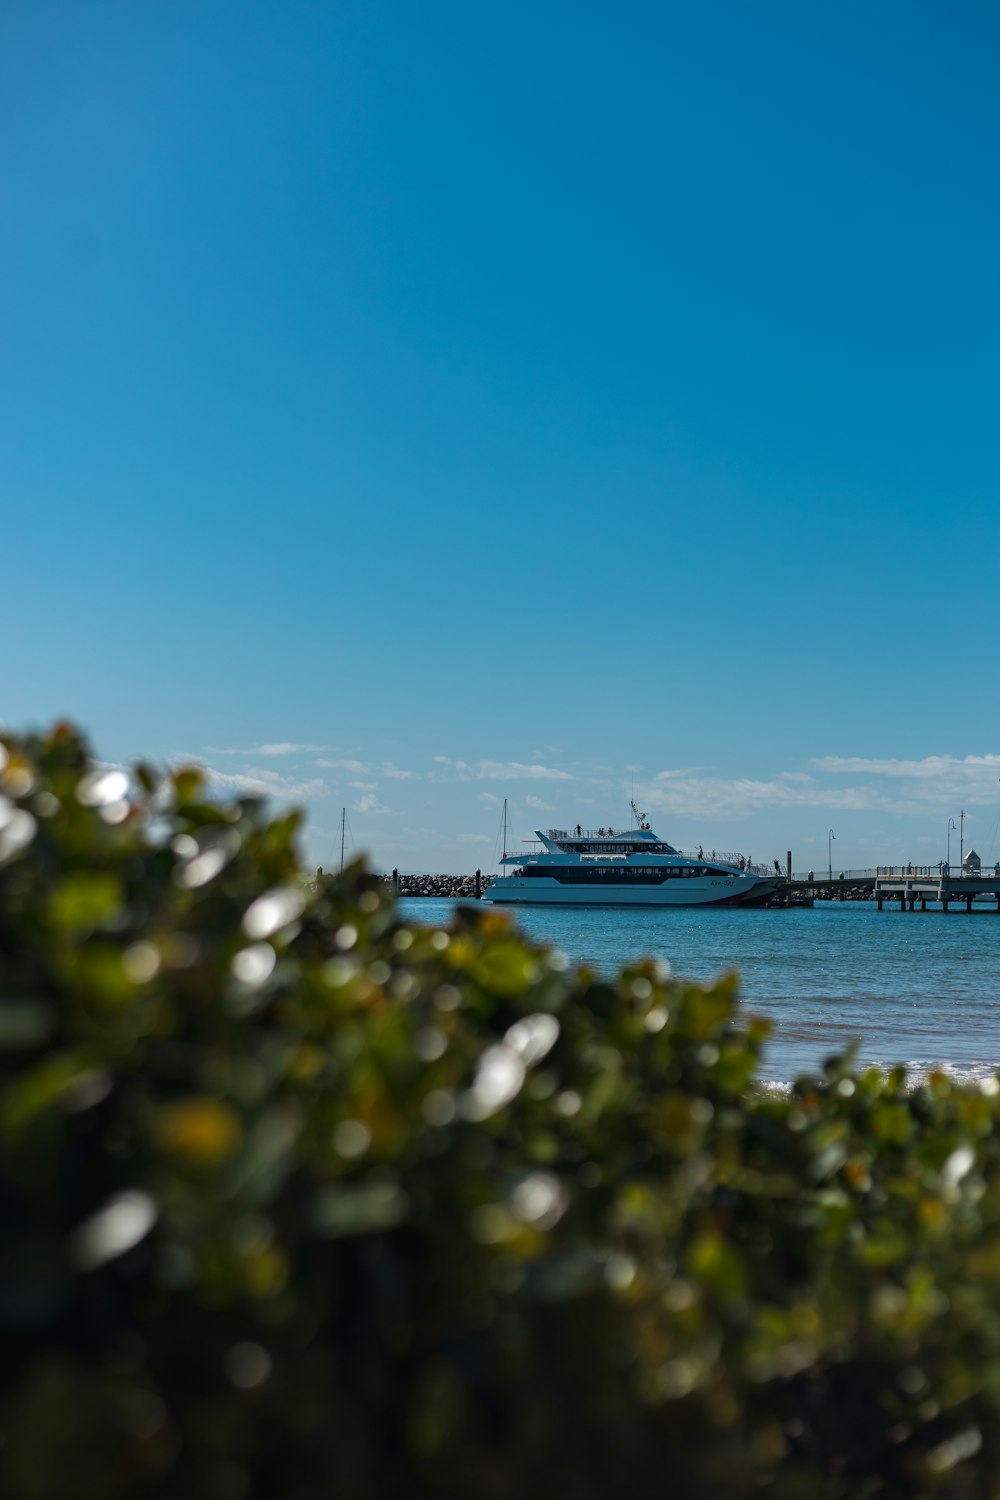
<point x="458" y="887"/>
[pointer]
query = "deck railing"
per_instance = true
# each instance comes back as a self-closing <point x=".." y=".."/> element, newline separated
<point x="588" y="833"/>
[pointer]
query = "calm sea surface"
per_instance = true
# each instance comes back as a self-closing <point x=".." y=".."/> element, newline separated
<point x="921" y="988"/>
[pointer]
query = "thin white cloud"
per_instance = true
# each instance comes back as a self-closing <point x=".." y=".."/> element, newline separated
<point x="281" y="747"/>
<point x="936" y="782"/>
<point x="538" y="804"/>
<point x="723" y="800"/>
<point x="386" y="768"/>
<point x="512" y="770"/>
<point x="460" y="769"/>
<point x="265" y="784"/>
<point x="933" y="780"/>
<point x="502" y="770"/>
<point x="929" y="766"/>
<point x="369" y="803"/>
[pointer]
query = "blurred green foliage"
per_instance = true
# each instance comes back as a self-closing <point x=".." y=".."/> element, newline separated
<point x="298" y="1200"/>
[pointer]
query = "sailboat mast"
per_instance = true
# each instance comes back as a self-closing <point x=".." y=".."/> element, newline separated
<point x="505" y="828"/>
<point x="343" y="824"/>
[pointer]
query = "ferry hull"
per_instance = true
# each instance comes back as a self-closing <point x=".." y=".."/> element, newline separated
<point x="720" y="891"/>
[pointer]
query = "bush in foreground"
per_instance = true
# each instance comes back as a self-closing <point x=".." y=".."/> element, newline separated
<point x="299" y="1200"/>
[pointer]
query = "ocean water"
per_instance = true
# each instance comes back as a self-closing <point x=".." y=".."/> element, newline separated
<point x="920" y="988"/>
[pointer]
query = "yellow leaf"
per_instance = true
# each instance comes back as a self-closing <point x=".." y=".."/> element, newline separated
<point x="202" y="1131"/>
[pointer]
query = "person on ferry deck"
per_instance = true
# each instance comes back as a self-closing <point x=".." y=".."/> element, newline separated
<point x="579" y="830"/>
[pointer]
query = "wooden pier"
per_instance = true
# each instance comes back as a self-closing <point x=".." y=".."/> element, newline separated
<point x="913" y="887"/>
<point x="953" y="892"/>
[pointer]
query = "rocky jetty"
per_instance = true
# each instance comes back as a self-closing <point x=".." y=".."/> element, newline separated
<point x="845" y="892"/>
<point x="805" y="894"/>
<point x="455" y="886"/>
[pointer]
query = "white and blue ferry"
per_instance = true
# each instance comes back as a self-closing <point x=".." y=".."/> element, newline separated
<point x="577" y="867"/>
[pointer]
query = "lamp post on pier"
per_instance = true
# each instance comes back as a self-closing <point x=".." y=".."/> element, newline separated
<point x="951" y="824"/>
<point x="829" y="853"/>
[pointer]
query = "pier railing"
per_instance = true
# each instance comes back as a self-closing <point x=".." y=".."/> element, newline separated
<point x="918" y="872"/>
<point x="871" y="873"/>
<point x="936" y="871"/>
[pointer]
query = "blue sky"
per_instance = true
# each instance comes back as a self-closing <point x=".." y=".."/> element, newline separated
<point x="404" y="407"/>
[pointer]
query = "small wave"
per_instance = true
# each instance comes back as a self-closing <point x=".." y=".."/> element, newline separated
<point x="984" y="1076"/>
